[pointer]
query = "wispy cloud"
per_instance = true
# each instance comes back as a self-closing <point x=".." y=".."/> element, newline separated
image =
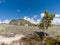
<point x="35" y="16"/>
<point x="56" y="20"/>
<point x="5" y="21"/>
<point x="32" y="20"/>
<point x="42" y="14"/>
<point x="57" y="16"/>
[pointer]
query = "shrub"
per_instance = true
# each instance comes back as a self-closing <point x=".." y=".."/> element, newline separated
<point x="58" y="38"/>
<point x="31" y="40"/>
<point x="50" y="41"/>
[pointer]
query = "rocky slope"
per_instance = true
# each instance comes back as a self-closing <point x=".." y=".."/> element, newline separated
<point x="6" y="30"/>
<point x="10" y="31"/>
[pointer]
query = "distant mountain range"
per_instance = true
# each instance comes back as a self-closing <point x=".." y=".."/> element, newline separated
<point x="21" y="22"/>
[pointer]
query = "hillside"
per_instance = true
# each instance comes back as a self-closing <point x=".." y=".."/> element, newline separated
<point x="21" y="22"/>
<point x="7" y="29"/>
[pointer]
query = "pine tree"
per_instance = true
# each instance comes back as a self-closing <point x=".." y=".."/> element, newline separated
<point x="46" y="20"/>
<point x="45" y="23"/>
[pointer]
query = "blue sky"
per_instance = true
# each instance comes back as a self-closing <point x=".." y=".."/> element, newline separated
<point x="15" y="9"/>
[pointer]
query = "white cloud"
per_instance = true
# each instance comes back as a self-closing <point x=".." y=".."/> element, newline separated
<point x="42" y="14"/>
<point x="35" y="16"/>
<point x="29" y="19"/>
<point x="32" y="20"/>
<point x="56" y="20"/>
<point x="5" y="21"/>
<point x="57" y="16"/>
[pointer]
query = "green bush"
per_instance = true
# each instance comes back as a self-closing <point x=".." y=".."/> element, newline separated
<point x="32" y="40"/>
<point x="50" y="41"/>
<point x="58" y="38"/>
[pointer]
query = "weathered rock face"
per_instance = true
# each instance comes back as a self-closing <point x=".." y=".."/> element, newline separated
<point x="21" y="22"/>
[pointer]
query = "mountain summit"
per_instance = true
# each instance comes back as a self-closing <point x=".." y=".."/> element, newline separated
<point x="21" y="22"/>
